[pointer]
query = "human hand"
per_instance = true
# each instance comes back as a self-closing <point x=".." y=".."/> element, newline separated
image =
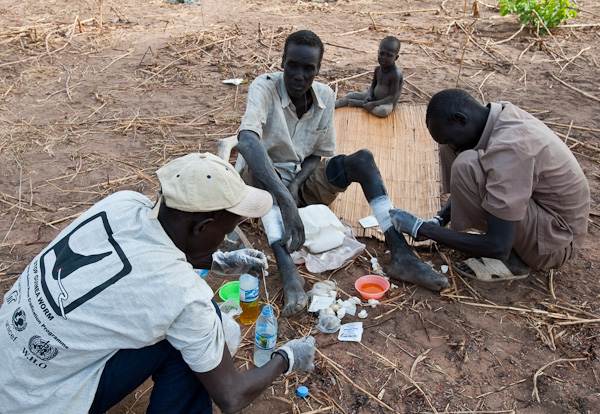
<point x="293" y="226"/>
<point x="300" y="353"/>
<point x="436" y="221"/>
<point x="240" y="261"/>
<point x="369" y="106"/>
<point x="405" y="222"/>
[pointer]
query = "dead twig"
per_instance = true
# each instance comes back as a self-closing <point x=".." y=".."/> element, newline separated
<point x="418" y="359"/>
<point x="534" y="393"/>
<point x="335" y="82"/>
<point x="573" y="58"/>
<point x="501" y="388"/>
<point x="510" y="38"/>
<point x="551" y="284"/>
<point x="406" y="11"/>
<point x="587" y="95"/>
<point x="364" y="29"/>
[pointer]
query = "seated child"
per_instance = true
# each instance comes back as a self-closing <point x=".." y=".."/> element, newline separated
<point x="382" y="96"/>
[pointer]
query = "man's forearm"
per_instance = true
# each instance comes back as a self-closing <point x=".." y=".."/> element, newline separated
<point x="496" y="243"/>
<point x="309" y="165"/>
<point x="261" y="166"/>
<point x="265" y="177"/>
<point x="233" y="390"/>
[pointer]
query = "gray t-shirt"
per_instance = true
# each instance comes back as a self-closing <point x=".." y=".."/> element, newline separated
<point x="111" y="280"/>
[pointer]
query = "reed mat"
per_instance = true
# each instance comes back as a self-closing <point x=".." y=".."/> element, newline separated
<point x="406" y="155"/>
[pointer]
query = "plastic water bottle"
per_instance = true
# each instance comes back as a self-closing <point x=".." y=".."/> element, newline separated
<point x="265" y="336"/>
<point x="248" y="298"/>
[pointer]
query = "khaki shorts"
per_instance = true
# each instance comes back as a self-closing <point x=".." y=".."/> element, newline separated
<point x="315" y="190"/>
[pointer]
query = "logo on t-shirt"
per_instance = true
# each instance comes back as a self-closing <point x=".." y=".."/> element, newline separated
<point x="42" y="349"/>
<point x="12" y="297"/>
<point x="19" y="320"/>
<point x="81" y="265"/>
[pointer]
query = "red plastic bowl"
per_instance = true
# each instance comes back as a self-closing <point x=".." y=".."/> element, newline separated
<point x="372" y="286"/>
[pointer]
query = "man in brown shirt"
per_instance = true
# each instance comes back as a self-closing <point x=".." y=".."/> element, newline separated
<point x="510" y="177"/>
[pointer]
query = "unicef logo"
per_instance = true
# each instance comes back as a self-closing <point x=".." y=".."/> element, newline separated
<point x="19" y="320"/>
<point x="42" y="349"/>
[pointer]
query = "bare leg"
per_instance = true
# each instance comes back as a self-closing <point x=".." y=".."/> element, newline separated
<point x="382" y="111"/>
<point x="292" y="282"/>
<point x="352" y="96"/>
<point x="360" y="167"/>
<point x="356" y="103"/>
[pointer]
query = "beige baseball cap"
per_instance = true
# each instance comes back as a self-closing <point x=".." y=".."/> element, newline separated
<point x="205" y="182"/>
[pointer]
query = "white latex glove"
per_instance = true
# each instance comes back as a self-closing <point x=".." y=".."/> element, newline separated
<point x="240" y="261"/>
<point x="433" y="221"/>
<point x="406" y="222"/>
<point x="300" y="353"/>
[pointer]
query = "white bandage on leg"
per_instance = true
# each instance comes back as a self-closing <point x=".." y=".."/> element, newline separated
<point x="381" y="207"/>
<point x="273" y="224"/>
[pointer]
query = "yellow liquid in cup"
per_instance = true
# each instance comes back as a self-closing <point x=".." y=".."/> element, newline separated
<point x="249" y="312"/>
<point x="371" y="288"/>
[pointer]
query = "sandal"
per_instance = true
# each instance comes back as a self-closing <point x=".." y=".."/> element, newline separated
<point x="486" y="269"/>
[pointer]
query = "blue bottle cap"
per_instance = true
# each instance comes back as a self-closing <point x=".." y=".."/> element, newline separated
<point x="202" y="273"/>
<point x="302" y="391"/>
<point x="267" y="310"/>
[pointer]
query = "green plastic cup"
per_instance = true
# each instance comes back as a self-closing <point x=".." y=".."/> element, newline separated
<point x="230" y="290"/>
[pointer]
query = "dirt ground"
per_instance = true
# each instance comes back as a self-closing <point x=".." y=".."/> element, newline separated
<point x="93" y="100"/>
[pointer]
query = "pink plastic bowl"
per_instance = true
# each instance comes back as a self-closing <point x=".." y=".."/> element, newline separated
<point x="372" y="286"/>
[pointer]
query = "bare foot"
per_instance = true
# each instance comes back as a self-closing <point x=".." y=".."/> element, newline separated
<point x="293" y="283"/>
<point x="295" y="297"/>
<point x="515" y="264"/>
<point x="405" y="266"/>
<point x="411" y="270"/>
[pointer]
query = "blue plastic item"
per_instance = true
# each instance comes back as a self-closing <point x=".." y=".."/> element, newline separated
<point x="302" y="391"/>
<point x="203" y="273"/>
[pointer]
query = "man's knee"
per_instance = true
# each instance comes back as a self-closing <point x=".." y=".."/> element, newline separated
<point x="361" y="157"/>
<point x="360" y="165"/>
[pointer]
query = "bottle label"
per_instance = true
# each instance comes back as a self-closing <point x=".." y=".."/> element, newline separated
<point x="265" y="342"/>
<point x="249" y="296"/>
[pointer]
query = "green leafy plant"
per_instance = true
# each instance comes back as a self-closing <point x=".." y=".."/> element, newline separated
<point x="552" y="12"/>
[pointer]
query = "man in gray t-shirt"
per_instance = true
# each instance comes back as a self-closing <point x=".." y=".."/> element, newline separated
<point x="114" y="299"/>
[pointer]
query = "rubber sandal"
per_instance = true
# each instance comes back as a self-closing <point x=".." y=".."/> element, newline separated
<point x="486" y="269"/>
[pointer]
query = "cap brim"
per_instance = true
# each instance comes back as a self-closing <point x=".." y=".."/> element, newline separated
<point x="257" y="203"/>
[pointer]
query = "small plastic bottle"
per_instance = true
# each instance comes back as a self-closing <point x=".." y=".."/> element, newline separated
<point x="248" y="298"/>
<point x="265" y="336"/>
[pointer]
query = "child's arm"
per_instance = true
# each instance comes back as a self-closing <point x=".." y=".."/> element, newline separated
<point x="371" y="91"/>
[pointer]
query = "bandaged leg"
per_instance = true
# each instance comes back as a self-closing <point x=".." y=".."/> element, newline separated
<point x="381" y="207"/>
<point x="273" y="224"/>
<point x="404" y="265"/>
